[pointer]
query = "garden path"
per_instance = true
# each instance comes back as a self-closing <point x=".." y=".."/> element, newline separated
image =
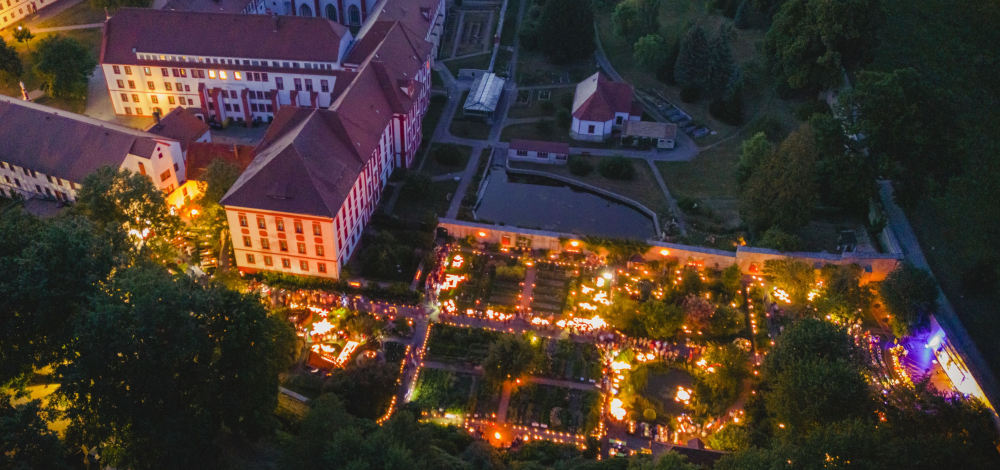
<point x="528" y="288"/>
<point x="585" y="386"/>
<point x="504" y="402"/>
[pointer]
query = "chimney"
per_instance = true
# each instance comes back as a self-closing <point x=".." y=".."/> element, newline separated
<point x="274" y="21"/>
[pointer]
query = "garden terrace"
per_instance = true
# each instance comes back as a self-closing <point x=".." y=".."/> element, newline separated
<point x="475" y="286"/>
<point x="551" y="289"/>
<point x="568" y="360"/>
<point x="555" y="408"/>
<point x="459" y="345"/>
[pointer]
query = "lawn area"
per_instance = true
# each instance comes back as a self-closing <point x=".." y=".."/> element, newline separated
<point x="436" y="201"/>
<point x="534" y="69"/>
<point x="81" y="13"/>
<point x="468" y="127"/>
<point x="643" y="188"/>
<point x="533" y="131"/>
<point x="89" y="37"/>
<point x="435" y="168"/>
<point x="456" y="344"/>
<point x="478" y="62"/>
<point x="534" y="107"/>
<point x="433" y="116"/>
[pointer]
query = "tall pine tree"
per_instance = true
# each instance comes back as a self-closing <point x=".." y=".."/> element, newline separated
<point x="690" y="68"/>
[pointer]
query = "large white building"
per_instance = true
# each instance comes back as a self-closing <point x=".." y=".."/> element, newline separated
<point x="46" y="152"/>
<point x="600" y="106"/>
<point x="13" y="11"/>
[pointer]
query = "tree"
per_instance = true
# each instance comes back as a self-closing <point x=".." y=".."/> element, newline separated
<point x="11" y="67"/>
<point x="661" y="319"/>
<point x="114" y="5"/>
<point x="845" y="175"/>
<point x="650" y="51"/>
<point x="508" y="357"/>
<point x="910" y="295"/>
<point x="896" y="112"/>
<point x="698" y="311"/>
<point x="567" y="31"/>
<point x="417" y="185"/>
<point x="636" y="18"/>
<point x="64" y="66"/>
<point x="782" y="191"/>
<point x="811" y="42"/>
<point x="384" y="256"/>
<point x="162" y="365"/>
<point x="843" y="297"/>
<point x="777" y="239"/>
<point x="753" y="153"/>
<point x="720" y="66"/>
<point x="22" y="34"/>
<point x="218" y="177"/>
<point x="796" y="277"/>
<point x="26" y="442"/>
<point x="691" y="69"/>
<point x="564" y="119"/>
<point x="365" y="389"/>
<point x="55" y="266"/>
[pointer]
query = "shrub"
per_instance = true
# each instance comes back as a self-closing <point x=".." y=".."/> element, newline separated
<point x="579" y="167"/>
<point x="448" y="155"/>
<point x="563" y="118"/>
<point x="729" y="111"/>
<point x="804" y="112"/>
<point x="776" y="239"/>
<point x="547" y="107"/>
<point x="616" y="168"/>
<point x="689" y="205"/>
<point x="544" y="127"/>
<point x="690" y="93"/>
<point x="510" y="273"/>
<point x="649" y="415"/>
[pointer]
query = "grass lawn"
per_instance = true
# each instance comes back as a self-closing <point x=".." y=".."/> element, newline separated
<point x="81" y="13"/>
<point x="531" y="131"/>
<point x="478" y="61"/>
<point x="436" y="80"/>
<point x="643" y="188"/>
<point x="510" y="24"/>
<point x="436" y="201"/>
<point x="468" y="128"/>
<point x="433" y="115"/>
<point x="534" y="106"/>
<point x="435" y="168"/>
<point x="89" y="37"/>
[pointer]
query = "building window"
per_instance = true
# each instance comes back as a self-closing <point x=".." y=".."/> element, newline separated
<point x="117" y="70"/>
<point x="154" y="99"/>
<point x="298" y="84"/>
<point x="211" y="74"/>
<point x="331" y="13"/>
<point x="146" y="71"/>
<point x="238" y="75"/>
<point x="522" y="153"/>
<point x="165" y="72"/>
<point x="320" y="251"/>
<point x="304" y="10"/>
<point x="243" y="221"/>
<point x="247" y="242"/>
<point x="279" y="83"/>
<point x="263" y="77"/>
<point x="324" y="85"/>
<point x="309" y="84"/>
<point x="321" y="267"/>
<point x="121" y="84"/>
<point x="543" y="154"/>
<point x="142" y="168"/>
<point x="304" y="265"/>
<point x="222" y="75"/>
<point x="281" y="224"/>
<point x="128" y="70"/>
<point x="302" y="248"/>
<point x="283" y="245"/>
<point x="250" y="259"/>
<point x="265" y="244"/>
<point x="286" y="263"/>
<point x="125" y="97"/>
<point x="354" y="15"/>
<point x="298" y="227"/>
<point x="171" y="100"/>
<point x="618" y="120"/>
<point x="268" y="261"/>
<point x="131" y="84"/>
<point x="590" y="129"/>
<point x="317" y="230"/>
<point x="135" y="98"/>
<point x="261" y="223"/>
<point x="164" y="176"/>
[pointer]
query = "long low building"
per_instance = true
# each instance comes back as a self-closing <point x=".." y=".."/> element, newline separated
<point x="46" y="152"/>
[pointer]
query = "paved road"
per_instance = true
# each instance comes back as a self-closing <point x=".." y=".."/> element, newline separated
<point x="945" y="314"/>
<point x="68" y="28"/>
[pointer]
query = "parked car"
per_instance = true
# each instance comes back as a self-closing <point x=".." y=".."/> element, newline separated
<point x="700" y="132"/>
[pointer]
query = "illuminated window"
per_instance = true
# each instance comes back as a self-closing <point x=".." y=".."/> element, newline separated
<point x="236" y="75"/>
<point x="135" y="98"/>
<point x="211" y="74"/>
<point x="146" y="71"/>
<point x="154" y="99"/>
<point x="222" y="74"/>
<point x="151" y="85"/>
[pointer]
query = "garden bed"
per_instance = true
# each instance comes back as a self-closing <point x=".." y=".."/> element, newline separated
<point x="554" y="408"/>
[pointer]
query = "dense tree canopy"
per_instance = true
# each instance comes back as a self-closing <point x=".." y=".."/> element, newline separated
<point x="11" y="67"/>
<point x="566" y="31"/>
<point x="26" y="442"/>
<point x="64" y="66"/>
<point x="782" y="190"/>
<point x="910" y="295"/>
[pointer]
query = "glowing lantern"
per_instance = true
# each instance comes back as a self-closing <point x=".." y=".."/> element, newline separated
<point x="322" y="327"/>
<point x="664" y="252"/>
<point x="482" y="234"/>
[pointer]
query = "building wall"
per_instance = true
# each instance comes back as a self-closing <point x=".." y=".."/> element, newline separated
<point x="129" y="88"/>
<point x="13" y="11"/>
<point x="750" y="260"/>
<point x="23" y="181"/>
<point x="255" y="246"/>
<point x="532" y="156"/>
<point x="580" y="130"/>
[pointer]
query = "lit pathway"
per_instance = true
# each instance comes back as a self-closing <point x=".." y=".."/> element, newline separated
<point x="528" y="288"/>
<point x="504" y="402"/>
<point x="67" y="28"/>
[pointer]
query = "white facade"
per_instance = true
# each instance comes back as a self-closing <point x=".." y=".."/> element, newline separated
<point x="13" y="11"/>
<point x="245" y="88"/>
<point x="596" y="130"/>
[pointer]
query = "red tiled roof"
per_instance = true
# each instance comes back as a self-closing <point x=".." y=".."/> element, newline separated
<point x="63" y="144"/>
<point x="416" y="16"/>
<point x="229" y="6"/>
<point x="181" y="125"/>
<point x="598" y="99"/>
<point x="236" y="35"/>
<point x="201" y="154"/>
<point x="540" y="146"/>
